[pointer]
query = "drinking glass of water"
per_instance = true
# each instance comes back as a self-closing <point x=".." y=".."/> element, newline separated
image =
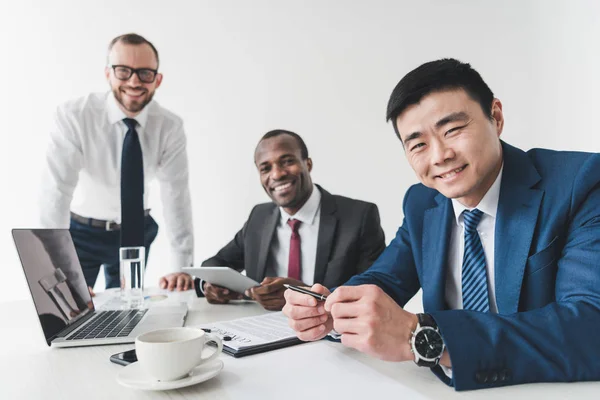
<point x="132" y="266"/>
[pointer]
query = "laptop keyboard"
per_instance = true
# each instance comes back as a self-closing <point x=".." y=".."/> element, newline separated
<point x="108" y="324"/>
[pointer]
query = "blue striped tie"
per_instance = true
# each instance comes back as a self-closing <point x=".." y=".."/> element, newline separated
<point x="474" y="273"/>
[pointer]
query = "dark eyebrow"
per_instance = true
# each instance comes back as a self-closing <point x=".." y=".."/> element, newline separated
<point x="412" y="136"/>
<point x="457" y="116"/>
<point x="286" y="155"/>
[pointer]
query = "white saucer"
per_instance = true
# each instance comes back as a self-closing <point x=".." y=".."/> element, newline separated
<point x="133" y="377"/>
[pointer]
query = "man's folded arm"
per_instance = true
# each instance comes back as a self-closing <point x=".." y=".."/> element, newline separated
<point x="394" y="270"/>
<point x="554" y="343"/>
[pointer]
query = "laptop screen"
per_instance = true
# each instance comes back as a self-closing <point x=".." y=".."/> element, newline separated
<point x="54" y="276"/>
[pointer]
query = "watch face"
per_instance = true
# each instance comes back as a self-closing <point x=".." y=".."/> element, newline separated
<point x="429" y="343"/>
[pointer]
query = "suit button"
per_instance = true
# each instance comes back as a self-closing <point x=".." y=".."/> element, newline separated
<point x="479" y="377"/>
<point x="504" y="376"/>
<point x="484" y="377"/>
<point x="494" y="377"/>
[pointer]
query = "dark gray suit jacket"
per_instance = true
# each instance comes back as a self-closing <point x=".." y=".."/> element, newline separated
<point x="350" y="240"/>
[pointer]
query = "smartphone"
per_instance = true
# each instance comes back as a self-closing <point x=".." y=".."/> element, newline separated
<point x="124" y="358"/>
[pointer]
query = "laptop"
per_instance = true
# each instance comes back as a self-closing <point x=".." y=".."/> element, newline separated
<point x="65" y="308"/>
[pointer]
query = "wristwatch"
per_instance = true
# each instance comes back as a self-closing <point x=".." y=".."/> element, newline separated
<point x="426" y="342"/>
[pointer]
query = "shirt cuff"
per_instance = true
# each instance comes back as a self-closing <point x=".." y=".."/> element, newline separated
<point x="180" y="260"/>
<point x="335" y="335"/>
<point x="447" y="371"/>
<point x="199" y="287"/>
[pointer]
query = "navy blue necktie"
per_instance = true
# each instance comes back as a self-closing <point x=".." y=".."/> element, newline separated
<point x="474" y="273"/>
<point x="132" y="188"/>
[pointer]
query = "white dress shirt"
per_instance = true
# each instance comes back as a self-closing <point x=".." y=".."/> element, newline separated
<point x="279" y="253"/>
<point x="486" y="229"/>
<point x="83" y="172"/>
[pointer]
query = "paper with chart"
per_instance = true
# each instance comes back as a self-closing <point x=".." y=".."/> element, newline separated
<point x="253" y="331"/>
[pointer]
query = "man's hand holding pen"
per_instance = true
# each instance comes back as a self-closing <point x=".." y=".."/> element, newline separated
<point x="307" y="315"/>
<point x="366" y="317"/>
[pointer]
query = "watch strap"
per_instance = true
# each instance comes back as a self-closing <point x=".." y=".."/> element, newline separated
<point x="429" y="364"/>
<point x="426" y="320"/>
<point x="199" y="287"/>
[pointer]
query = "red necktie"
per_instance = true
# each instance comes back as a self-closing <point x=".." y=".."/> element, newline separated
<point x="294" y="261"/>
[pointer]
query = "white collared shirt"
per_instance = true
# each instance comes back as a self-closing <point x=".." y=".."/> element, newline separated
<point x="83" y="172"/>
<point x="279" y="253"/>
<point x="486" y="229"/>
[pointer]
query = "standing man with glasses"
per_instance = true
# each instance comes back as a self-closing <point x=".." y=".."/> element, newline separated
<point x="104" y="150"/>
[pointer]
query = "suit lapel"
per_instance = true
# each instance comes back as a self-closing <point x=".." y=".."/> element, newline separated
<point x="327" y="225"/>
<point x="437" y="225"/>
<point x="270" y="223"/>
<point x="518" y="208"/>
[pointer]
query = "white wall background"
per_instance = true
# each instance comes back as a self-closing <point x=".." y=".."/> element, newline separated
<point x="236" y="69"/>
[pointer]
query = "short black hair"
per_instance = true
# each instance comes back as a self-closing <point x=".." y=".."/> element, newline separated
<point x="434" y="76"/>
<point x="277" y="132"/>
<point x="135" y="39"/>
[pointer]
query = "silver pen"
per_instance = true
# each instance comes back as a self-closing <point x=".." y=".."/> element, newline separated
<point x="298" y="289"/>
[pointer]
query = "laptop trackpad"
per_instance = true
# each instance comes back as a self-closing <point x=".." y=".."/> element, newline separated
<point x="160" y="318"/>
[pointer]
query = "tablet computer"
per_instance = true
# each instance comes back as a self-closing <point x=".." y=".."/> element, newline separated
<point x="222" y="276"/>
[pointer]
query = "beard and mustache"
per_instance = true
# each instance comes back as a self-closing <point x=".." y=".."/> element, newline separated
<point x="133" y="106"/>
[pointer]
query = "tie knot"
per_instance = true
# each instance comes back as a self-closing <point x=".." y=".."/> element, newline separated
<point x="471" y="219"/>
<point x="130" y="123"/>
<point x="294" y="224"/>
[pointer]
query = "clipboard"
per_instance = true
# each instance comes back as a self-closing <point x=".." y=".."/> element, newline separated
<point x="237" y="353"/>
<point x="252" y="335"/>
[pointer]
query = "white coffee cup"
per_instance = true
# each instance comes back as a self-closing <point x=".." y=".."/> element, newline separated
<point x="170" y="354"/>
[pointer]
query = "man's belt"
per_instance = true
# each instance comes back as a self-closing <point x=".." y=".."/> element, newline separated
<point x="100" y="223"/>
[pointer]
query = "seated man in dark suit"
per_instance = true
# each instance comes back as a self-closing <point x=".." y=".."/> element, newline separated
<point x="336" y="237"/>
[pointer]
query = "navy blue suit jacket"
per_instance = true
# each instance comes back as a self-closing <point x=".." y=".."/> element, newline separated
<point x="547" y="272"/>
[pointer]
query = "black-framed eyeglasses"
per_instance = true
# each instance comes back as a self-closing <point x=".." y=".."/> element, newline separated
<point x="123" y="73"/>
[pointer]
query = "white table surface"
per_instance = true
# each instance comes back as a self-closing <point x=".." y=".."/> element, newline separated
<point x="29" y="369"/>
